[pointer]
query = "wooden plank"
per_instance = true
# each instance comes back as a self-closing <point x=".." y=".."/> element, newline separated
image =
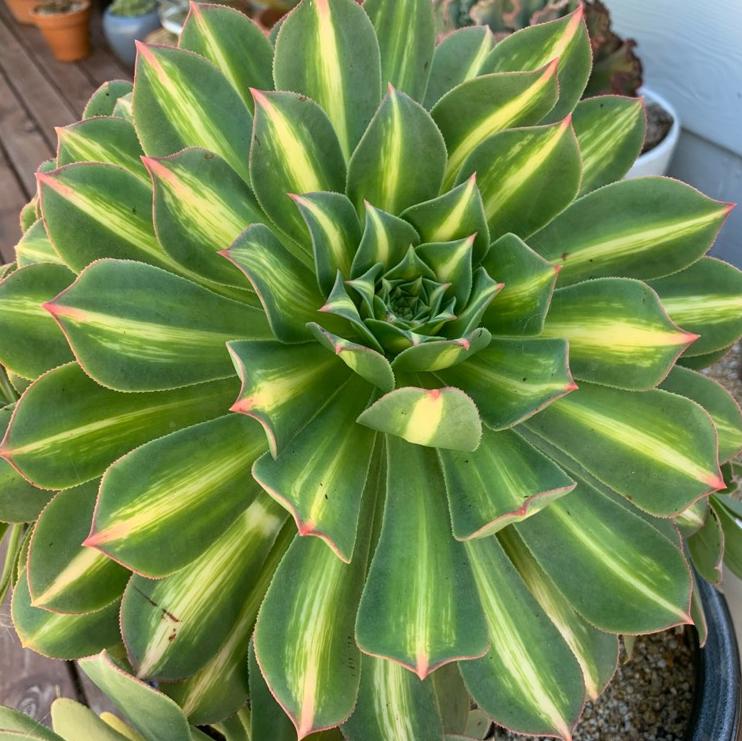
<point x="68" y="79"/>
<point x="11" y="203"/>
<point x="45" y="104"/>
<point x="26" y="148"/>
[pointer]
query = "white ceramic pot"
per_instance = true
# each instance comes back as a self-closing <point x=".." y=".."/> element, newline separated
<point x="656" y="161"/>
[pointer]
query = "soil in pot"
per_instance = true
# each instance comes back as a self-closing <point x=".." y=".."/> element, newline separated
<point x="21" y="10"/>
<point x="65" y="28"/>
<point x="659" y="123"/>
<point x="650" y="697"/>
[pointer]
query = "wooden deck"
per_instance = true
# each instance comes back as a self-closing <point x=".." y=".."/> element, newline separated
<point x="38" y="93"/>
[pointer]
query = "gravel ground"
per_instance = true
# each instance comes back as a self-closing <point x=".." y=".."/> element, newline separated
<point x="651" y="696"/>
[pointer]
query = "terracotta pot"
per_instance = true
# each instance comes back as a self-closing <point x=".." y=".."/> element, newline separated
<point x="66" y="33"/>
<point x="21" y="10"/>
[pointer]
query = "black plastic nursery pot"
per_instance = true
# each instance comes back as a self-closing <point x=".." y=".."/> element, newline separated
<point x="716" y="706"/>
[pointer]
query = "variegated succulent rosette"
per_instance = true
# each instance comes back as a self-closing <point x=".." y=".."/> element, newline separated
<point x="355" y="354"/>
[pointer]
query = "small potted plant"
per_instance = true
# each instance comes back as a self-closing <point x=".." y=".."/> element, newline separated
<point x="64" y="25"/>
<point x="617" y="70"/>
<point x="127" y="21"/>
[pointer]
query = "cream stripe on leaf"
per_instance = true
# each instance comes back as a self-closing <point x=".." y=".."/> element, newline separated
<point x="200" y="207"/>
<point x="616" y="570"/>
<point x="459" y="57"/>
<point x="336" y="232"/>
<point x="504" y="481"/>
<point x="528" y="279"/>
<point x="386" y="239"/>
<point x="691" y="519"/>
<point x="35" y="247"/>
<point x="61" y="636"/>
<point x="94" y="210"/>
<point x="492" y="103"/>
<point x="29" y="342"/>
<point x="153" y="714"/>
<point x="439" y="354"/>
<point x="284" y="284"/>
<point x="220" y="687"/>
<point x="294" y="149"/>
<point x="529" y="681"/>
<point x="565" y="39"/>
<point x="410" y="615"/>
<point x="454" y="215"/>
<point x="172" y="626"/>
<point x="179" y="101"/>
<point x="63" y="576"/>
<point x="123" y="108"/>
<point x="596" y="652"/>
<point x="618" y="332"/>
<point x="283" y="386"/>
<point x="706" y="548"/>
<point x="320" y="477"/>
<point x="327" y="49"/>
<point x="406" y="33"/>
<point x="103" y="100"/>
<point x="233" y="43"/>
<point x="716" y="400"/>
<point x="163" y="504"/>
<point x="610" y="130"/>
<point x="393" y="704"/>
<point x="705" y="298"/>
<point x="513" y="165"/>
<point x="101" y="139"/>
<point x="401" y="139"/>
<point x="438" y="418"/>
<point x="92" y="426"/>
<point x="657" y="449"/>
<point x="512" y="379"/>
<point x="267" y="718"/>
<point x="304" y="634"/>
<point x="19" y="500"/>
<point x="366" y="362"/>
<point x="642" y="228"/>
<point x="134" y="327"/>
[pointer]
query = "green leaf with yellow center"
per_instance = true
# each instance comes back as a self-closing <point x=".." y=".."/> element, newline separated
<point x="401" y="138"/>
<point x="327" y="50"/>
<point x="162" y="504"/>
<point x="528" y="281"/>
<point x="294" y="150"/>
<point x="716" y="400"/>
<point x="642" y="228"/>
<point x="35" y="247"/>
<point x="172" y="626"/>
<point x="91" y="426"/>
<point x="439" y="418"/>
<point x="705" y="298"/>
<point x="529" y="680"/>
<point x="283" y="386"/>
<point x="406" y="34"/>
<point x="104" y="98"/>
<point x="439" y="354"/>
<point x="64" y="576"/>
<point x="619" y="572"/>
<point x="135" y="327"/>
<point x="504" y="481"/>
<point x="512" y="379"/>
<point x="565" y="40"/>
<point x="492" y="103"/>
<point x="618" y="332"/>
<point x="233" y="43"/>
<point x="442" y="622"/>
<point x="320" y="477"/>
<point x="610" y="130"/>
<point x="29" y="342"/>
<point x="514" y="164"/>
<point x="179" y="101"/>
<point x="657" y="449"/>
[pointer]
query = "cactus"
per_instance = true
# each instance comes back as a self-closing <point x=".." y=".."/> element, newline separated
<point x="132" y="8"/>
<point x="616" y="68"/>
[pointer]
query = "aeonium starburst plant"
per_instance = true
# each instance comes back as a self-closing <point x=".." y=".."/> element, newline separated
<point x="354" y="353"/>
